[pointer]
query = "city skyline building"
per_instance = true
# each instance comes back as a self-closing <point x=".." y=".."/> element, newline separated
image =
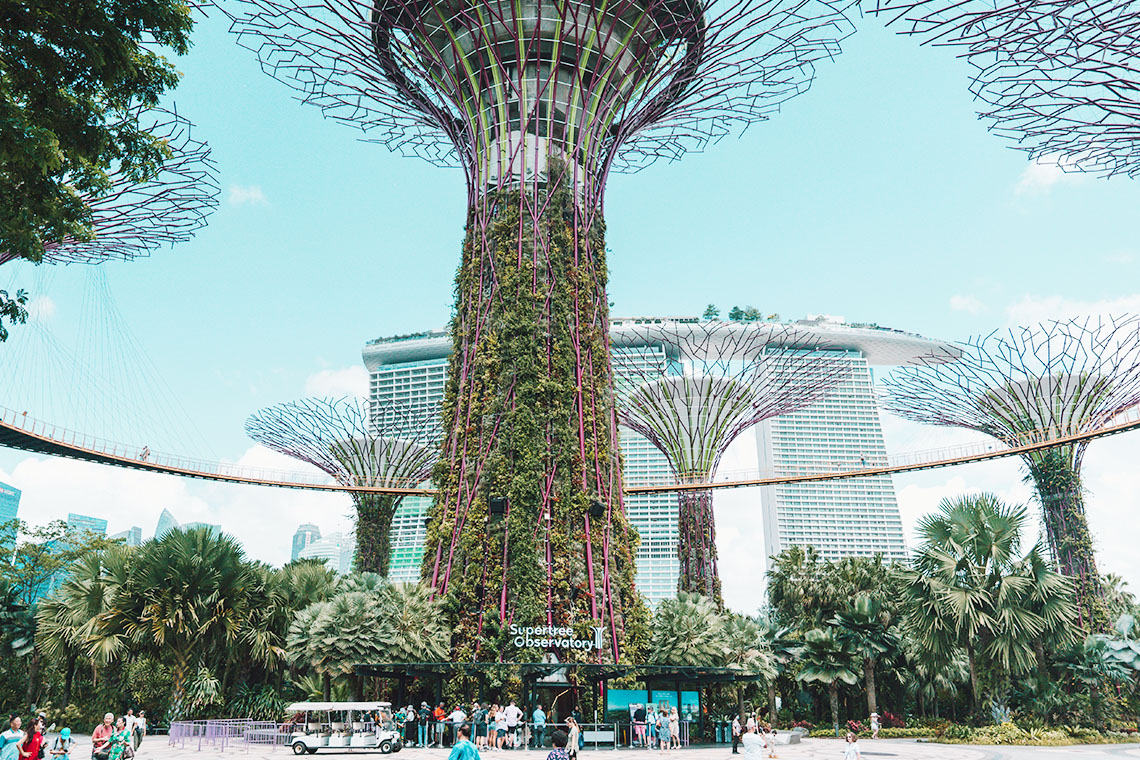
<point x="77" y="522"/>
<point x="306" y="534"/>
<point x="130" y="537"/>
<point x="166" y="523"/>
<point x="847" y="518"/>
<point x="336" y="550"/>
<point x="9" y="511"/>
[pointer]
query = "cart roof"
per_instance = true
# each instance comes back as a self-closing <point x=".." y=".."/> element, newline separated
<point x="319" y="706"/>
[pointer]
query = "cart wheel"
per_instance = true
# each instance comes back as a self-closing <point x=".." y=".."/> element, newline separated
<point x="385" y="747"/>
<point x="312" y="750"/>
<point x="299" y="748"/>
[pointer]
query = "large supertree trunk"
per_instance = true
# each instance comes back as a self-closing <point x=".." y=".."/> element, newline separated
<point x="374" y="513"/>
<point x="696" y="546"/>
<point x="529" y="418"/>
<point x="1056" y="476"/>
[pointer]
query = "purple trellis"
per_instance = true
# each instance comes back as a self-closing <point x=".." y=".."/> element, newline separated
<point x="1035" y="384"/>
<point x="692" y="387"/>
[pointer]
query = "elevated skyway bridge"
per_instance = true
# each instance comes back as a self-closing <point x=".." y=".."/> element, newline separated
<point x="23" y="432"/>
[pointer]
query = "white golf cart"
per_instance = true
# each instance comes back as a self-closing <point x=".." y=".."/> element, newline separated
<point x="345" y="725"/>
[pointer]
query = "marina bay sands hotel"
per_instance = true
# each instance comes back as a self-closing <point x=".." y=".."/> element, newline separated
<point x="842" y="518"/>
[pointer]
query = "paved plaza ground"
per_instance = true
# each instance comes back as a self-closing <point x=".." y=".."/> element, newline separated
<point x="156" y="748"/>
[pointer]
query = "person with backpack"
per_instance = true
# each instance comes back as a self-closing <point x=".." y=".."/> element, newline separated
<point x="61" y="747"/>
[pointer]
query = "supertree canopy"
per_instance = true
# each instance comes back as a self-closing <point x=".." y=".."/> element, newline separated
<point x="537" y="101"/>
<point x="693" y="388"/>
<point x="1060" y="77"/>
<point x="361" y="446"/>
<point x="1031" y="385"/>
<point x="137" y="215"/>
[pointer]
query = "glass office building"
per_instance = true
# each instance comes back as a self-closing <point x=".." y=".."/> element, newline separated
<point x="9" y="508"/>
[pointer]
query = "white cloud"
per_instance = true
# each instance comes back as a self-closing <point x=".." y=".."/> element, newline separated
<point x="41" y="309"/>
<point x="1035" y="309"/>
<point x="348" y="381"/>
<point x="968" y="304"/>
<point x="262" y="518"/>
<point x="1041" y="175"/>
<point x="247" y="195"/>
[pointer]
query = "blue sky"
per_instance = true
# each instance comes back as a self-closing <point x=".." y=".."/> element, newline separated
<point x="877" y="196"/>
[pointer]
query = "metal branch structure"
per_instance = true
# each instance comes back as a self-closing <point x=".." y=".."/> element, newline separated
<point x="360" y="445"/>
<point x="1060" y="77"/>
<point x="692" y="388"/>
<point x="538" y="101"/>
<point x="1033" y="384"/>
<point x="135" y="217"/>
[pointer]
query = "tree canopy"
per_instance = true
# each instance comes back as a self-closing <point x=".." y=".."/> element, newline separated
<point x="73" y="77"/>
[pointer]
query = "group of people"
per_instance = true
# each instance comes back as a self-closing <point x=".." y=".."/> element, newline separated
<point x="111" y="740"/>
<point x="656" y="729"/>
<point x="756" y="738"/>
<point x="493" y="726"/>
<point x="566" y="743"/>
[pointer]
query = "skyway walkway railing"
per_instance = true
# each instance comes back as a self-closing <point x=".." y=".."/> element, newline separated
<point x="19" y="430"/>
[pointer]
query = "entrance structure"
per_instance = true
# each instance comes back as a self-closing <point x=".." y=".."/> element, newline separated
<point x="711" y="382"/>
<point x="1032" y="384"/>
<point x="361" y="446"/>
<point x="134" y="218"/>
<point x="537" y="101"/>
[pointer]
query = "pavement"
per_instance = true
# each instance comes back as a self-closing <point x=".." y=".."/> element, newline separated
<point x="157" y="748"/>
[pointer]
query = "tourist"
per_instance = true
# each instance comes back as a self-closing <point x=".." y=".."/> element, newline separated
<point x="130" y="719"/>
<point x="735" y="734"/>
<point x="457" y="718"/>
<point x="851" y="748"/>
<point x="770" y="740"/>
<point x="501" y="725"/>
<point x="558" y="752"/>
<point x="61" y="747"/>
<point x="120" y="741"/>
<point x="410" y="724"/>
<point x="479" y="721"/>
<point x="663" y="730"/>
<point x="514" y="714"/>
<point x="10" y="739"/>
<point x="463" y="749"/>
<point x="424" y="716"/>
<point x="753" y="744"/>
<point x="751" y="724"/>
<point x="33" y="741"/>
<point x="101" y="737"/>
<point x="675" y="727"/>
<point x="538" y="717"/>
<point x="140" y="728"/>
<point x="874" y="725"/>
<point x="639" y="717"/>
<point x="438" y="717"/>
<point x="573" y="737"/>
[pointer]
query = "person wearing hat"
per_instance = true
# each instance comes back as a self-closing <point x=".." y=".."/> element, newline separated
<point x="874" y="725"/>
<point x="61" y="747"/>
<point x="424" y="716"/>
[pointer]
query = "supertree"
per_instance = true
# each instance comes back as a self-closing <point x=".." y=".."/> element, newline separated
<point x="1060" y="77"/>
<point x="692" y="387"/>
<point x="361" y="446"/>
<point x="1036" y="384"/>
<point x="537" y="101"/>
<point x="136" y="216"/>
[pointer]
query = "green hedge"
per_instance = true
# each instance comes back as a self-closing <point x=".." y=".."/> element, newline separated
<point x="884" y="733"/>
<point x="1009" y="733"/>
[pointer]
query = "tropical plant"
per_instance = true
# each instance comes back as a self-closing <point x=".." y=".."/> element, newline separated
<point x="1093" y="664"/>
<point x="969" y="587"/>
<point x="187" y="595"/>
<point x="825" y="659"/>
<point x="784" y="651"/>
<point x="864" y="627"/>
<point x="746" y="650"/>
<point x="688" y="631"/>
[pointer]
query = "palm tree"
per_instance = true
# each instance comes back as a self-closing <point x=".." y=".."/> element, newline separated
<point x="187" y="594"/>
<point x="746" y="651"/>
<point x="928" y="676"/>
<point x="688" y="631"/>
<point x="968" y="587"/>
<point x="1091" y="662"/>
<point x="827" y="660"/>
<point x="414" y="630"/>
<point x="784" y="650"/>
<point x="865" y="628"/>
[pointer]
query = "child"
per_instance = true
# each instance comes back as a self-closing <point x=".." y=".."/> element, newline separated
<point x="61" y="747"/>
<point x="851" y="749"/>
